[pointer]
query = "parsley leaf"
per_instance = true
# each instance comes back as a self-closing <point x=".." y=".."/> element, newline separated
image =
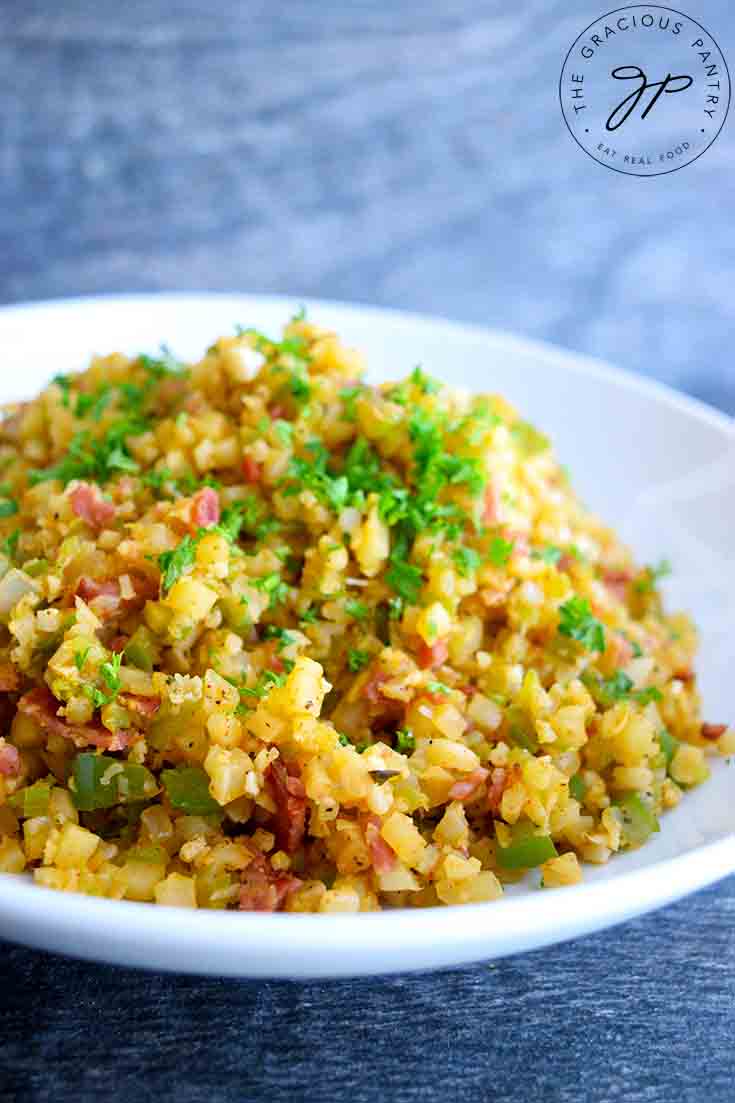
<point x="267" y="680"/>
<point x="8" y="506"/>
<point x="80" y="658"/>
<point x="619" y="687"/>
<point x="467" y="560"/>
<point x="405" y="741"/>
<point x="577" y="623"/>
<point x="357" y="660"/>
<point x="162" y="365"/>
<point x="550" y="555"/>
<point x="110" y="674"/>
<point x="274" y="586"/>
<point x="64" y="382"/>
<point x="174" y="563"/>
<point x="651" y="576"/>
<point x="405" y="578"/>
<point x="500" y="551"/>
<point x="87" y="458"/>
<point x="358" y="610"/>
<point x="349" y="396"/>
<point x="9" y="545"/>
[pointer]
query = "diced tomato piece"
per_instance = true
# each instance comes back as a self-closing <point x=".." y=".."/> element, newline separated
<point x="88" y="504"/>
<point x="383" y="856"/>
<point x="618" y="582"/>
<point x="468" y="786"/>
<point x="432" y="655"/>
<point x="263" y="889"/>
<point x="205" y="508"/>
<point x="290" y="797"/>
<point x="9" y="759"/>
<point x="501" y="778"/>
<point x="371" y="689"/>
<point x="490" y="514"/>
<point x="42" y="706"/>
<point x="143" y="706"/>
<point x="713" y="731"/>
<point x="252" y="470"/>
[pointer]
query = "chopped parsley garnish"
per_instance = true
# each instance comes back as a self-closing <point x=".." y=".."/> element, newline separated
<point x="358" y="610"/>
<point x="284" y="637"/>
<point x="9" y="545"/>
<point x="424" y="382"/>
<point x="349" y="396"/>
<point x="80" y="658"/>
<point x="577" y="623"/>
<point x="645" y="696"/>
<point x="309" y="616"/>
<point x="110" y="674"/>
<point x="577" y="787"/>
<point x="437" y="687"/>
<point x="95" y="459"/>
<point x="344" y="740"/>
<point x="162" y="365"/>
<point x="284" y="431"/>
<point x="651" y="576"/>
<point x="357" y="660"/>
<point x="467" y="560"/>
<point x="550" y="555"/>
<point x="405" y="741"/>
<point x="94" y="403"/>
<point x="500" y="551"/>
<point x="273" y="585"/>
<point x="174" y="563"/>
<point x="405" y="578"/>
<point x="313" y="475"/>
<point x="156" y="480"/>
<point x="619" y="687"/>
<point x="267" y="680"/>
<point x="64" y="382"/>
<point x="8" y="507"/>
<point x="395" y="607"/>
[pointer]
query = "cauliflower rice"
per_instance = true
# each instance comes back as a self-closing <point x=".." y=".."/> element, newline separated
<point x="274" y="639"/>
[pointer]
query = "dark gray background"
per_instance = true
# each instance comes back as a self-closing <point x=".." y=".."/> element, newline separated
<point x="410" y="154"/>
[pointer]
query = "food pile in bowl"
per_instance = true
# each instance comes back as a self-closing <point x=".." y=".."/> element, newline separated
<point x="272" y="638"/>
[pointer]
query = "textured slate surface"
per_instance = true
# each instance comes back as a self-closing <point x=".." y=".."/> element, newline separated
<point x="410" y="155"/>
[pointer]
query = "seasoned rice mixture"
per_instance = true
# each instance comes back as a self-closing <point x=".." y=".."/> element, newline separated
<point x="274" y="639"/>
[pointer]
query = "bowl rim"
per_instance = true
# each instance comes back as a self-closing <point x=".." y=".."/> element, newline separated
<point x="510" y="922"/>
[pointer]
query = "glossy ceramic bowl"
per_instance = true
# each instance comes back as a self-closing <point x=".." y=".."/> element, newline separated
<point x="657" y="466"/>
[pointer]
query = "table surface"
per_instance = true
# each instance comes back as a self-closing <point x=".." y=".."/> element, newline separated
<point x="414" y="156"/>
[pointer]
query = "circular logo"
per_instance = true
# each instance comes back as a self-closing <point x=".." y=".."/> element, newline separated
<point x="645" y="90"/>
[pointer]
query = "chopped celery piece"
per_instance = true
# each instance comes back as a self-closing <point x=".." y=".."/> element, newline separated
<point x="35" y="567"/>
<point x="520" y="729"/>
<point x="33" y="800"/>
<point x="188" y="789"/>
<point x="97" y="785"/>
<point x="139" y="650"/>
<point x="153" y="854"/>
<point x="639" y="819"/>
<point x="668" y="744"/>
<point x="526" y="850"/>
<point x="577" y="787"/>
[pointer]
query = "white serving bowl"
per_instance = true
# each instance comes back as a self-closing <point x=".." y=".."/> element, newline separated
<point x="657" y="466"/>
